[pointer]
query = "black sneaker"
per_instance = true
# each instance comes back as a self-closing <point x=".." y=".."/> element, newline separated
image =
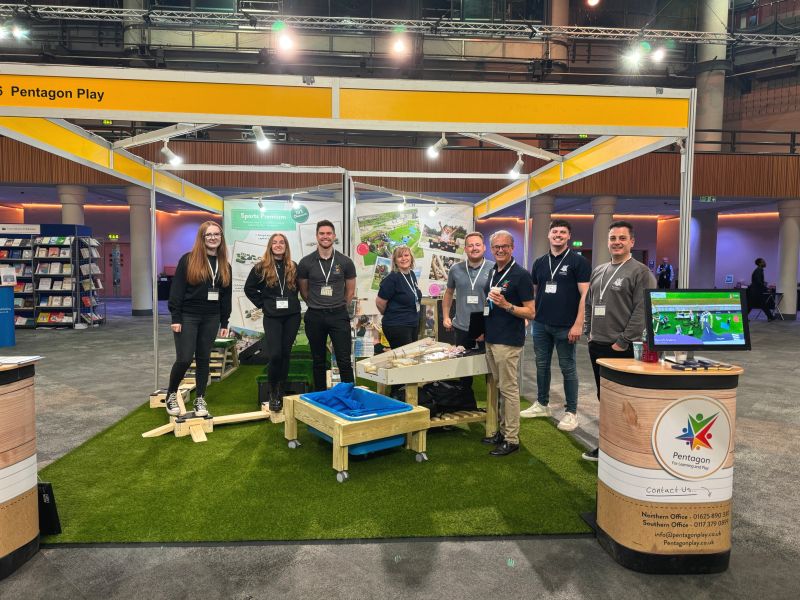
<point x="495" y="439"/>
<point x="173" y="408"/>
<point x="592" y="455"/>
<point x="504" y="449"/>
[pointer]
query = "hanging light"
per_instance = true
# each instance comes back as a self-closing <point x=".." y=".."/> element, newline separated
<point x="432" y="212"/>
<point x="261" y="206"/>
<point x="515" y="171"/>
<point x="171" y="157"/>
<point x="295" y="203"/>
<point x="433" y="151"/>
<point x="658" y="54"/>
<point x="284" y="35"/>
<point x="402" y="206"/>
<point x="262" y="143"/>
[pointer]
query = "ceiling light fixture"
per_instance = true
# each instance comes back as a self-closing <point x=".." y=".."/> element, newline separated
<point x="260" y="206"/>
<point x="516" y="170"/>
<point x="262" y="143"/>
<point x="432" y="212"/>
<point x="592" y="2"/>
<point x="633" y="58"/>
<point x="171" y="157"/>
<point x="18" y="32"/>
<point x="295" y="203"/>
<point x="285" y="40"/>
<point x="402" y="206"/>
<point x="433" y="151"/>
<point x="658" y="54"/>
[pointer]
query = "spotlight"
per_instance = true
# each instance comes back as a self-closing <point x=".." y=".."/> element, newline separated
<point x="285" y="39"/>
<point x="658" y="54"/>
<point x="515" y="171"/>
<point x="260" y="206"/>
<point x="400" y="45"/>
<point x="261" y="140"/>
<point x="295" y="203"/>
<point x="403" y="205"/>
<point x="633" y="58"/>
<point x="432" y="212"/>
<point x="18" y="32"/>
<point x="171" y="157"/>
<point x="592" y="2"/>
<point x="433" y="151"/>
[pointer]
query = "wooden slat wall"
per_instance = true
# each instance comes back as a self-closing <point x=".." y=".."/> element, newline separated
<point x="734" y="175"/>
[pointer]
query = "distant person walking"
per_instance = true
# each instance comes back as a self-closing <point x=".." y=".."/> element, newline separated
<point x="665" y="274"/>
<point x="758" y="295"/>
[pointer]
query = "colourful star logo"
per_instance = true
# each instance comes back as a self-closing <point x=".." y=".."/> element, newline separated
<point x="697" y="433"/>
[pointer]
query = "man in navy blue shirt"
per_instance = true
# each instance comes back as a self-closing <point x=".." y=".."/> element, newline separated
<point x="561" y="280"/>
<point x="509" y="294"/>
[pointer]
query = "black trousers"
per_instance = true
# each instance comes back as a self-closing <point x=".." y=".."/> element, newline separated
<point x="195" y="340"/>
<point x="333" y="323"/>
<point x="604" y="350"/>
<point x="279" y="335"/>
<point x="400" y="335"/>
<point x="463" y="338"/>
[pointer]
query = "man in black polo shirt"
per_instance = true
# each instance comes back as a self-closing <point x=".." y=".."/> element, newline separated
<point x="509" y="302"/>
<point x="561" y="280"/>
<point x="327" y="281"/>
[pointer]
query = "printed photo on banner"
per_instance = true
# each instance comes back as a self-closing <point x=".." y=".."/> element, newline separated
<point x="381" y="233"/>
<point x="441" y="265"/>
<point x="367" y="330"/>
<point x="447" y="237"/>
<point x="244" y="256"/>
<point x="383" y="266"/>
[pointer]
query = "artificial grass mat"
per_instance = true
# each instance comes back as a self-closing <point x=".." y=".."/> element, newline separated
<point x="244" y="483"/>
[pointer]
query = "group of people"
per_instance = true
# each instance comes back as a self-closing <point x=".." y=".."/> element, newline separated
<point x="200" y="305"/>
<point x="561" y="295"/>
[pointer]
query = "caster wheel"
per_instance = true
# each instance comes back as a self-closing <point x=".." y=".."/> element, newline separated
<point x="421" y="457"/>
<point x="293" y="444"/>
<point x="342" y="476"/>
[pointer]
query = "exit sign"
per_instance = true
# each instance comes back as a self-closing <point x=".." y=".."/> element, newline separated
<point x="708" y="198"/>
<point x="577" y="244"/>
<point x="113" y="236"/>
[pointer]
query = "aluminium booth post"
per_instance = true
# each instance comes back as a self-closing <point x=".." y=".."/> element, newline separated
<point x="527" y="227"/>
<point x="154" y="273"/>
<point x="687" y="176"/>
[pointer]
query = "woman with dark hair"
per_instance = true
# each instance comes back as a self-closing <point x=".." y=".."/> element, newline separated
<point x="399" y="300"/>
<point x="200" y="305"/>
<point x="758" y="294"/>
<point x="272" y="287"/>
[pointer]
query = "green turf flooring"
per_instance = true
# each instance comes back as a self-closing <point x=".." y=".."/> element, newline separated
<point x="245" y="484"/>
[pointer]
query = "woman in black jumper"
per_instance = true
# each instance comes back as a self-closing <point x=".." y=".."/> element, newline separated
<point x="399" y="300"/>
<point x="200" y="304"/>
<point x="272" y="287"/>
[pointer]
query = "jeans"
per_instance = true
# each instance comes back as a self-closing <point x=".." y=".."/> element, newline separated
<point x="545" y="338"/>
<point x="195" y="339"/>
<point x="333" y="322"/>
<point x="400" y="335"/>
<point x="279" y="335"/>
<point x="604" y="350"/>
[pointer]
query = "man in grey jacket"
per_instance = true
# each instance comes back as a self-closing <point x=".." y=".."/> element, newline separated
<point x="614" y="316"/>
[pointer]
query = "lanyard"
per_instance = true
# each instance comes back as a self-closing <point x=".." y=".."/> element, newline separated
<point x="508" y="268"/>
<point x="550" y="265"/>
<point x="213" y="272"/>
<point x="278" y="277"/>
<point x="480" y="270"/>
<point x="333" y="256"/>
<point x="408" y="283"/>
<point x="603" y="289"/>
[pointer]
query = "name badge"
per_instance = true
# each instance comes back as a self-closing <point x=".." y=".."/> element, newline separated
<point x="213" y="295"/>
<point x="281" y="303"/>
<point x="416" y="305"/>
<point x="472" y="299"/>
<point x="550" y="287"/>
<point x="600" y="310"/>
<point x="486" y="311"/>
<point x="326" y="290"/>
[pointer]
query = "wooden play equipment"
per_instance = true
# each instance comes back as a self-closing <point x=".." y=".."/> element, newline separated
<point x="19" y="508"/>
<point x="344" y="433"/>
<point x="224" y="359"/>
<point x="402" y="366"/>
<point x="665" y="471"/>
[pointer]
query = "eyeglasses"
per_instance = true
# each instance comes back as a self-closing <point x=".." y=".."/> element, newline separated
<point x="502" y="247"/>
<point x="213" y="235"/>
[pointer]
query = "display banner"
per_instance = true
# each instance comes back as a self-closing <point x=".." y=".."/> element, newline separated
<point x="248" y="228"/>
<point x="435" y="236"/>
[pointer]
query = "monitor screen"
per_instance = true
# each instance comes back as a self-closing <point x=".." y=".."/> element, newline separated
<point x="696" y="319"/>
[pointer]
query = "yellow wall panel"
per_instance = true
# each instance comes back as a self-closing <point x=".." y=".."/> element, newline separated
<point x="64" y="140"/>
<point x="509" y="196"/>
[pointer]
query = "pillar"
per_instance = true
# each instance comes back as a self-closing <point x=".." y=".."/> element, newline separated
<point x="72" y="198"/>
<point x="559" y="16"/>
<point x="541" y="208"/>
<point x="603" y="209"/>
<point x="788" y="249"/>
<point x="141" y="256"/>
<point x="703" y="249"/>
<point x="711" y="63"/>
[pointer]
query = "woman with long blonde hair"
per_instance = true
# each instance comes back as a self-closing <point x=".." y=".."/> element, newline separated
<point x="200" y="305"/>
<point x="272" y="287"/>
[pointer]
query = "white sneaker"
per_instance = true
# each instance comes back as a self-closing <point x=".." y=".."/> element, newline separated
<point x="569" y="422"/>
<point x="536" y="410"/>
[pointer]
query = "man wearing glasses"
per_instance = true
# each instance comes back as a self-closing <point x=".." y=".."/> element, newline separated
<point x="467" y="280"/>
<point x="510" y="302"/>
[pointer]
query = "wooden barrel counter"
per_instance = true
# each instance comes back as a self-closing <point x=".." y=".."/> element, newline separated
<point x="19" y="508"/>
<point x="665" y="471"/>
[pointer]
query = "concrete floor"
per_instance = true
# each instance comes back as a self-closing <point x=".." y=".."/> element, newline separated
<point x="90" y="379"/>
